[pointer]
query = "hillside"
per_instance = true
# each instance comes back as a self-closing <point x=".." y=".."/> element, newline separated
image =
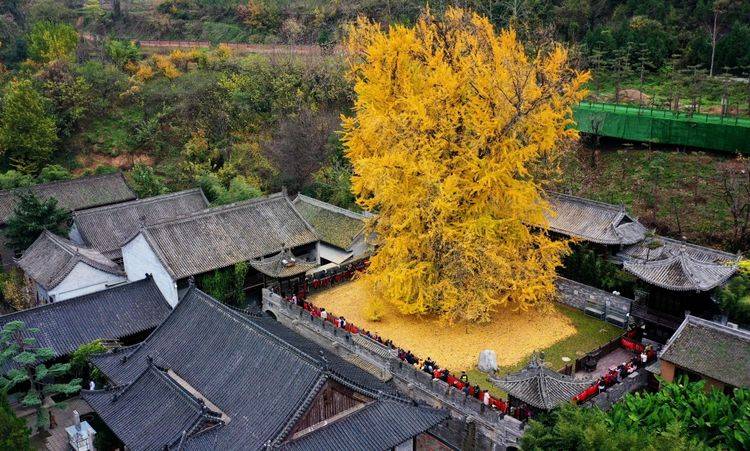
<point x="239" y="124"/>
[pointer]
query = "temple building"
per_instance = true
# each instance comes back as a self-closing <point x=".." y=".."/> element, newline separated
<point x="56" y="269"/>
<point x="268" y="233"/>
<point x="210" y="377"/>
<point x="705" y="350"/>
<point x="604" y="224"/>
<point x="71" y="195"/>
<point x="107" y="228"/>
<point x="539" y="387"/>
<point x="675" y="278"/>
<point x="125" y="312"/>
<point x="341" y="231"/>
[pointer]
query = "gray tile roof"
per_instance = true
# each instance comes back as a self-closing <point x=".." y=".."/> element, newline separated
<point x="260" y="374"/>
<point x="108" y="228"/>
<point x="222" y="236"/>
<point x="155" y="396"/>
<point x="279" y="266"/>
<point x="334" y="225"/>
<point x="110" y="314"/>
<point x="540" y="386"/>
<point x="383" y="425"/>
<point x="50" y="259"/>
<point x="76" y="194"/>
<point x="593" y="221"/>
<point x="711" y="349"/>
<point x="678" y="266"/>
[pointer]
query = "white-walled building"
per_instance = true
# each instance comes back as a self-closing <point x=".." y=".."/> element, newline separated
<point x="57" y="269"/>
<point x="268" y="233"/>
<point x="71" y="195"/>
<point x="341" y="231"/>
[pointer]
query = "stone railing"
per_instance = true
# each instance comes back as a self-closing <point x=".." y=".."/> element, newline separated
<point x="494" y="430"/>
<point x="633" y="382"/>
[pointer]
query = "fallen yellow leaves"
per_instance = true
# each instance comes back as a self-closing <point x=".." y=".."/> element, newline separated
<point x="512" y="335"/>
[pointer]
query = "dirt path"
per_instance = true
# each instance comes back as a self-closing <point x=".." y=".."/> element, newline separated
<point x="264" y="49"/>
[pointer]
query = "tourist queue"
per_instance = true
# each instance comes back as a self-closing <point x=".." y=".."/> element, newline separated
<point x="428" y="365"/>
<point x="644" y="356"/>
<point x="523" y="412"/>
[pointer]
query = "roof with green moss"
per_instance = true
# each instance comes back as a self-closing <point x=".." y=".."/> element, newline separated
<point x="334" y="225"/>
<point x="711" y="349"/>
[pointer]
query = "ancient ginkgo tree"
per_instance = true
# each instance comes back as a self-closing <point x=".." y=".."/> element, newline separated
<point x="450" y="118"/>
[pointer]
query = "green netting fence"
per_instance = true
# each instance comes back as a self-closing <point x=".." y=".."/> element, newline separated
<point x="728" y="133"/>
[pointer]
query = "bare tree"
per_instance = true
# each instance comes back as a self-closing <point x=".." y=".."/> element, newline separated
<point x="300" y="146"/>
<point x="735" y="193"/>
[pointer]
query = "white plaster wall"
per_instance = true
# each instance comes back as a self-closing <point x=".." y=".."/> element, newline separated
<point x="359" y="246"/>
<point x="42" y="297"/>
<point x="83" y="279"/>
<point x="139" y="259"/>
<point x="74" y="235"/>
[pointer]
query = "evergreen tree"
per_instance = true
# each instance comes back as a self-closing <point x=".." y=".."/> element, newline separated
<point x="31" y="216"/>
<point x="145" y="182"/>
<point x="14" y="435"/>
<point x="20" y="352"/>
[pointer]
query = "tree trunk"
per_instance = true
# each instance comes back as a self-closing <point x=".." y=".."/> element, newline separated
<point x="713" y="43"/>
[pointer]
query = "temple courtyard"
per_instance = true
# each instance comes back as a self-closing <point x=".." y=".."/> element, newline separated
<point x="562" y="332"/>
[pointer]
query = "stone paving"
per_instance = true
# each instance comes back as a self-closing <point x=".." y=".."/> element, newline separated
<point x="58" y="440"/>
<point x="614" y="358"/>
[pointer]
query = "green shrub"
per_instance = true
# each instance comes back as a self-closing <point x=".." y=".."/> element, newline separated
<point x="14" y="435"/>
<point x="734" y="297"/>
<point x="681" y="415"/>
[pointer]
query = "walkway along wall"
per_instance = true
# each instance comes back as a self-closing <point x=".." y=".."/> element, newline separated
<point x="491" y="430"/>
<point x="728" y="134"/>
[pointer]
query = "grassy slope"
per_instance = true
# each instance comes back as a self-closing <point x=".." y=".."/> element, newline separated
<point x="591" y="334"/>
<point x="678" y="193"/>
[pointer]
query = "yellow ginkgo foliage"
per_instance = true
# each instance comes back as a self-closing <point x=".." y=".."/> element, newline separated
<point x="450" y="116"/>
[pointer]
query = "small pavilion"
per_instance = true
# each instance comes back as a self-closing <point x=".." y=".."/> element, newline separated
<point x="539" y="387"/>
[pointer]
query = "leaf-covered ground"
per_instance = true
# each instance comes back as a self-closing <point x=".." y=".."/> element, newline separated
<point x="514" y="336"/>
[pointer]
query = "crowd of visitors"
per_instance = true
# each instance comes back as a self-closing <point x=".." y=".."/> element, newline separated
<point x="427" y="365"/>
<point x="460" y="382"/>
<point x="645" y="354"/>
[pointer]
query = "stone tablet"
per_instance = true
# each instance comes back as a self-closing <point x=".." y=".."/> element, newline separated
<point x="487" y="361"/>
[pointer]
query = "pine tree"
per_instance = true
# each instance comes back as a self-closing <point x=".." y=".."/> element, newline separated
<point x="450" y="118"/>
<point x="31" y="216"/>
<point x="19" y="351"/>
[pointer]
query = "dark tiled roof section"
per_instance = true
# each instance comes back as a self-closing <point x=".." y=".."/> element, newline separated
<point x="283" y="368"/>
<point x="660" y="247"/>
<point x="711" y="349"/>
<point x="222" y="236"/>
<point x="592" y="221"/>
<point x="681" y="272"/>
<point x="109" y="314"/>
<point x="76" y="194"/>
<point x="275" y="267"/>
<point x="334" y="225"/>
<point x="148" y="414"/>
<point x="540" y="386"/>
<point x="108" y="228"/>
<point x="51" y="258"/>
<point x="382" y="425"/>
